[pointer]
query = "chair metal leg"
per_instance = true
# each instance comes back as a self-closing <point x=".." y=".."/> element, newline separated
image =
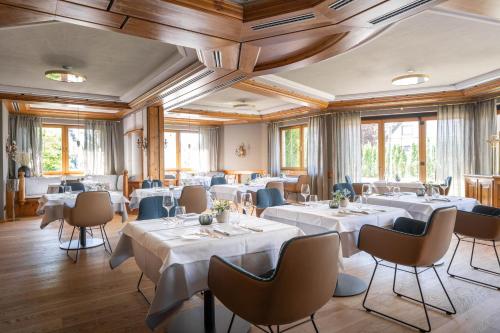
<point x="77" y="249"/>
<point x="139" y="289"/>
<point x="61" y="226"/>
<point x="231" y="323"/>
<point x="314" y="324"/>
<point x="465" y="279"/>
<point x="428" y="329"/>
<point x="107" y="239"/>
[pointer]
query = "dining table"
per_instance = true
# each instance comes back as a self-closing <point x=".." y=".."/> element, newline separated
<point x="141" y="193"/>
<point x="314" y="218"/>
<point x="232" y="192"/>
<point x="421" y="207"/>
<point x="51" y="208"/>
<point x="175" y="254"/>
<point x="381" y="186"/>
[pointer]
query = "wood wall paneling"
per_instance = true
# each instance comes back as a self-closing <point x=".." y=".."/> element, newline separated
<point x="99" y="4"/>
<point x="155" y="128"/>
<point x="13" y="16"/>
<point x="88" y="14"/>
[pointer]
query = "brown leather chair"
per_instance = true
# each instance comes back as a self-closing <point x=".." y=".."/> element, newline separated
<point x="295" y="188"/>
<point x="194" y="198"/>
<point x="410" y="243"/>
<point x="304" y="280"/>
<point x="278" y="185"/>
<point x="483" y="223"/>
<point x="92" y="209"/>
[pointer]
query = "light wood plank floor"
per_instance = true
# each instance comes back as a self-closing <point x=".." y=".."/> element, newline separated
<point x="41" y="290"/>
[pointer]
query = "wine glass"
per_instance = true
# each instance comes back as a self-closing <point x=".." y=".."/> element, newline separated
<point x="246" y="202"/>
<point x="443" y="187"/>
<point x="366" y="190"/>
<point x="313" y="199"/>
<point x="305" y="191"/>
<point x="397" y="192"/>
<point x="168" y="202"/>
<point x="358" y="202"/>
<point x="180" y="212"/>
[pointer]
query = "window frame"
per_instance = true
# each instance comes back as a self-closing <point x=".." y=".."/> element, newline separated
<point x="302" y="166"/>
<point x="64" y="151"/>
<point x="422" y="142"/>
<point x="178" y="161"/>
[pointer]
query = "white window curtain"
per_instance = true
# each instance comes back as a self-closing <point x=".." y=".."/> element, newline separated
<point x="209" y="149"/>
<point x="26" y="131"/>
<point x="455" y="142"/>
<point x="101" y="147"/>
<point x="273" y="149"/>
<point x="485" y="125"/>
<point x="345" y="136"/>
<point x="317" y="156"/>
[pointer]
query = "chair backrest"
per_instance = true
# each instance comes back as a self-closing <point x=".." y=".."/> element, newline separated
<point x="437" y="235"/>
<point x="194" y="198"/>
<point x="345" y="186"/>
<point x="277" y="185"/>
<point x="254" y="175"/>
<point x="348" y="179"/>
<point x="217" y="180"/>
<point x="149" y="183"/>
<point x="152" y="208"/>
<point x="269" y="197"/>
<point x="303" y="179"/>
<point x="92" y="209"/>
<point x="75" y="186"/>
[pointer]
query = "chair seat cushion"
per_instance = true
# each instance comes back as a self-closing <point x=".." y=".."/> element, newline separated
<point x="486" y="210"/>
<point x="409" y="226"/>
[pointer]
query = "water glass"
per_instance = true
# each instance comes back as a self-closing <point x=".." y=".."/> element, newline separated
<point x="358" y="202"/>
<point x="246" y="202"/>
<point x="235" y="215"/>
<point x="313" y="200"/>
<point x="179" y="212"/>
<point x="397" y="192"/>
<point x="67" y="190"/>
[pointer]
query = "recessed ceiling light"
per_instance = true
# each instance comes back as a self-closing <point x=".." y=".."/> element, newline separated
<point x="65" y="75"/>
<point x="410" y="79"/>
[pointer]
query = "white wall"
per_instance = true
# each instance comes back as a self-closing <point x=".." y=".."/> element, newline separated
<point x="253" y="135"/>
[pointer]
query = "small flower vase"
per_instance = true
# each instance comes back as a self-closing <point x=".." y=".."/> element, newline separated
<point x="223" y="217"/>
<point x="205" y="219"/>
<point x="333" y="204"/>
<point x="344" y="203"/>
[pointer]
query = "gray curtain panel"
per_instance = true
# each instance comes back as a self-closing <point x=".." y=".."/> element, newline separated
<point x="485" y="125"/>
<point x="455" y="144"/>
<point x="345" y="134"/>
<point x="273" y="149"/>
<point x="103" y="147"/>
<point x="317" y="156"/>
<point x="27" y="132"/>
<point x="209" y="149"/>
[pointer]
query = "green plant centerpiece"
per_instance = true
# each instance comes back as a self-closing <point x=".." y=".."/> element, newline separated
<point x="340" y="198"/>
<point x="221" y="210"/>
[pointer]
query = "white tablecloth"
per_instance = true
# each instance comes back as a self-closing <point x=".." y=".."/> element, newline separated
<point x="418" y="208"/>
<point x="232" y="192"/>
<point x="320" y="218"/>
<point x="51" y="206"/>
<point x="179" y="267"/>
<point x="141" y="193"/>
<point x="197" y="180"/>
<point x="381" y="186"/>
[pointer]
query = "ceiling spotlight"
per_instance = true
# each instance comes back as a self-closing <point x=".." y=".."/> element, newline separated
<point x="65" y="75"/>
<point x="410" y="79"/>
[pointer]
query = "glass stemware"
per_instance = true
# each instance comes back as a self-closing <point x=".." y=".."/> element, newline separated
<point x="443" y="187"/>
<point x="246" y="202"/>
<point x="313" y="200"/>
<point x="397" y="192"/>
<point x="168" y="202"/>
<point x="67" y="191"/>
<point x="366" y="191"/>
<point x="358" y="202"/>
<point x="179" y="212"/>
<point x="305" y="191"/>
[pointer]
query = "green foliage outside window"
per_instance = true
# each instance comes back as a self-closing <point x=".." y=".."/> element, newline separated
<point x="52" y="149"/>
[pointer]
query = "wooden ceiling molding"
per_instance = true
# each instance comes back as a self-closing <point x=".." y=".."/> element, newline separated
<point x="234" y="42"/>
<point x="21" y="107"/>
<point x="282" y="94"/>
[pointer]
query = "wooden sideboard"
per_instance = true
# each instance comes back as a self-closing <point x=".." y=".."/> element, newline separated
<point x="486" y="189"/>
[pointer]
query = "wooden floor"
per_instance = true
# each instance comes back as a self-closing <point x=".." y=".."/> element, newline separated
<point x="41" y="290"/>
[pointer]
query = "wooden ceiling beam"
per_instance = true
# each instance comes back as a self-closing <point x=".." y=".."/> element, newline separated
<point x="24" y="108"/>
<point x="279" y="93"/>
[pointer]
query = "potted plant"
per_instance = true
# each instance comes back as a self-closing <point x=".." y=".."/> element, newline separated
<point x="340" y="198"/>
<point x="221" y="209"/>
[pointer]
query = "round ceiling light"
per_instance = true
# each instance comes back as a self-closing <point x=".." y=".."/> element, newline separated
<point x="410" y="79"/>
<point x="65" y="75"/>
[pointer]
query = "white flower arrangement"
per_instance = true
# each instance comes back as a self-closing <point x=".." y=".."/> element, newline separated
<point x="221" y="205"/>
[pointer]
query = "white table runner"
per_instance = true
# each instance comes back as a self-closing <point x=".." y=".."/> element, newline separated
<point x="418" y="208"/>
<point x="51" y="206"/>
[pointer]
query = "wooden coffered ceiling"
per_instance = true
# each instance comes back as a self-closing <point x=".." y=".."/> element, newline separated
<point x="233" y="42"/>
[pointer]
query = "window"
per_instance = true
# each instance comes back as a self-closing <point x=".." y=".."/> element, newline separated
<point x="62" y="149"/>
<point x="403" y="147"/>
<point x="181" y="150"/>
<point x="294" y="147"/>
<point x="401" y="150"/>
<point x="369" y="144"/>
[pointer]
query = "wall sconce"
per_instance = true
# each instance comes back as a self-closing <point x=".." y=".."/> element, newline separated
<point x="241" y="151"/>
<point x="11" y="149"/>
<point x="142" y="143"/>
